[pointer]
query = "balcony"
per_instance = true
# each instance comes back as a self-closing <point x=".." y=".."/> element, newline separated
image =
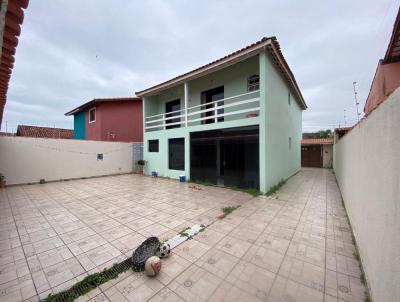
<point x="231" y="108"/>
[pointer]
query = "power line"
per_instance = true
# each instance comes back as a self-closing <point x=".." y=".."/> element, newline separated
<point x="357" y="103"/>
<point x="377" y="43"/>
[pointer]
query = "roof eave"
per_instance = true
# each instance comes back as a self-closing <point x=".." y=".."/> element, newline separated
<point x="394" y="39"/>
<point x="206" y="70"/>
<point x="288" y="73"/>
<point x="99" y="100"/>
<point x="228" y="61"/>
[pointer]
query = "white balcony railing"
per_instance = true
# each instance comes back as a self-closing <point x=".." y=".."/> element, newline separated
<point x="238" y="106"/>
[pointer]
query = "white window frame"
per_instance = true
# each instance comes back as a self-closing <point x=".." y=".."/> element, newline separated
<point x="95" y="114"/>
<point x="253" y="86"/>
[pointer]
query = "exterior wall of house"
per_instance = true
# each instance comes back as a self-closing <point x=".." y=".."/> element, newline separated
<point x="27" y="160"/>
<point x="233" y="78"/>
<point x="327" y="156"/>
<point x="116" y="121"/>
<point x="367" y="165"/>
<point x="282" y="121"/>
<point x="80" y="125"/>
<point x="121" y="121"/>
<point x="386" y="80"/>
<point x="93" y="129"/>
<point x="158" y="161"/>
<point x="277" y="120"/>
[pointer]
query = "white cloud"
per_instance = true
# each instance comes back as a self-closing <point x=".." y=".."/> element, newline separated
<point x="73" y="51"/>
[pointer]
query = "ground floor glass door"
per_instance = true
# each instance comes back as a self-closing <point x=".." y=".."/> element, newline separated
<point x="228" y="157"/>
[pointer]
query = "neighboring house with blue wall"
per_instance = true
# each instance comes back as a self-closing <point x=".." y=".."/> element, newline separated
<point x="109" y="119"/>
<point x="236" y="121"/>
<point x="80" y="125"/>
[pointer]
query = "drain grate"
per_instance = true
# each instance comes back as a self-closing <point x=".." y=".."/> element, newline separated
<point x="90" y="282"/>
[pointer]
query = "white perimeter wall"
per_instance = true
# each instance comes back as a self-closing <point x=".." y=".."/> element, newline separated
<point x="27" y="160"/>
<point x="367" y="167"/>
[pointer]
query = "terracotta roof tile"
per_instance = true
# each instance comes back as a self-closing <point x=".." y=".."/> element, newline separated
<point x="273" y="47"/>
<point x="317" y="141"/>
<point x="393" y="51"/>
<point x="10" y="29"/>
<point x="44" y="132"/>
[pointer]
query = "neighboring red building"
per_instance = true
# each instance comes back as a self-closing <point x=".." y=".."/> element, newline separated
<point x="387" y="75"/>
<point x="109" y="119"/>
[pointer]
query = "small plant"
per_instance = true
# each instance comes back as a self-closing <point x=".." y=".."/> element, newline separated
<point x="140" y="166"/>
<point x="86" y="285"/>
<point x="275" y="188"/>
<point x="141" y="162"/>
<point x="2" y="181"/>
<point x="202" y="182"/>
<point x="229" y="210"/>
<point x="362" y="279"/>
<point x="183" y="232"/>
<point x="251" y="191"/>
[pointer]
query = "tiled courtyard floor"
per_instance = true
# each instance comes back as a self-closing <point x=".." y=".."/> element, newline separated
<point x="294" y="247"/>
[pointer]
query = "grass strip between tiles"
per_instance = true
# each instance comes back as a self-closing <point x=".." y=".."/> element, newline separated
<point x="90" y="282"/>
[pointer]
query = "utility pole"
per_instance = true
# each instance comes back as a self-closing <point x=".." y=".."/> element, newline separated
<point x="344" y="114"/>
<point x="357" y="103"/>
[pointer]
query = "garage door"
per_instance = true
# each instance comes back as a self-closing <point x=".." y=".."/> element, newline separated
<point x="311" y="156"/>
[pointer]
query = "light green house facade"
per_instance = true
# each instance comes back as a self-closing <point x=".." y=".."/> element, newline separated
<point x="243" y="111"/>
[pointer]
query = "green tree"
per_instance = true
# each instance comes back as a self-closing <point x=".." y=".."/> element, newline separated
<point x="325" y="133"/>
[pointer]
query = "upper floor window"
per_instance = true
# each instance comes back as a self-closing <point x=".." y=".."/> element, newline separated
<point x="253" y="83"/>
<point x="172" y="109"/>
<point x="92" y="115"/>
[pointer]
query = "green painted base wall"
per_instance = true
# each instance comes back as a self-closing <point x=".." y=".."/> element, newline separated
<point x="283" y="122"/>
<point x="158" y="161"/>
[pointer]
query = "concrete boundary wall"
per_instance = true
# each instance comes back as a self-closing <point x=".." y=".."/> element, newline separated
<point x="367" y="167"/>
<point x="27" y="160"/>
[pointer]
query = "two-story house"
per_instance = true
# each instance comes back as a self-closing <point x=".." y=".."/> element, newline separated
<point x="109" y="119"/>
<point x="236" y="121"/>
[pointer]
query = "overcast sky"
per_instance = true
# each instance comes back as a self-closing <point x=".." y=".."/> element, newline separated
<point x="72" y="51"/>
